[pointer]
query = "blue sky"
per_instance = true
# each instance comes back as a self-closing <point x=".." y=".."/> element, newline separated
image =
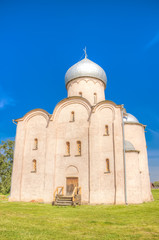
<point x="40" y="40"/>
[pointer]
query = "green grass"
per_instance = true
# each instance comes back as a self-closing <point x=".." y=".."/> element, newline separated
<point x="42" y="221"/>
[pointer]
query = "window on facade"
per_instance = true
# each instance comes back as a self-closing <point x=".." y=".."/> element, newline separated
<point x="107" y="165"/>
<point x="72" y="118"/>
<point x="34" y="167"/>
<point x="95" y="98"/>
<point x="67" y="149"/>
<point x="35" y="144"/>
<point x="106" y="130"/>
<point x="80" y="93"/>
<point x="78" y="148"/>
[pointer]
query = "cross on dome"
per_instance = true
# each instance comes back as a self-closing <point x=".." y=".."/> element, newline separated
<point x="85" y="52"/>
<point x="85" y="68"/>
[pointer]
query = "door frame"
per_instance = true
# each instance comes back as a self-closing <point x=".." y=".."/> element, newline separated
<point x="72" y="178"/>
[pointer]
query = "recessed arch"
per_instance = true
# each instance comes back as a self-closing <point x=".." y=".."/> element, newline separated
<point x="72" y="116"/>
<point x="95" y="98"/>
<point x="33" y="113"/>
<point x="78" y="148"/>
<point x="105" y="105"/>
<point x="106" y="130"/>
<point x="34" y="165"/>
<point x="72" y="171"/>
<point x="80" y="94"/>
<point x="67" y="149"/>
<point x="35" y="144"/>
<point x="107" y="165"/>
<point x="67" y="102"/>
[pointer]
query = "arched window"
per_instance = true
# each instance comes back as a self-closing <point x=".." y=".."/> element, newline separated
<point x="95" y="98"/>
<point x="78" y="148"/>
<point x="72" y="118"/>
<point x="35" y="144"/>
<point x="106" y="130"/>
<point x="34" y="167"/>
<point x="67" y="149"/>
<point x="107" y="165"/>
<point x="80" y="93"/>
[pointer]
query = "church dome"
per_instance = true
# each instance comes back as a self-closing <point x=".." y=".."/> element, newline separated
<point x="85" y="68"/>
<point x="130" y="118"/>
<point x="129" y="146"/>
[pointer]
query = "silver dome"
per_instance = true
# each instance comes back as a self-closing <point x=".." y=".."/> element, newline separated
<point x="85" y="68"/>
<point x="130" y="118"/>
<point x="129" y="146"/>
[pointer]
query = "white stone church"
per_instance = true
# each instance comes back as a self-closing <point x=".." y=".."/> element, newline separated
<point x="88" y="142"/>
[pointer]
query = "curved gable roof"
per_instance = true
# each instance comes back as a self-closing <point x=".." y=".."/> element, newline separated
<point x="34" y="111"/>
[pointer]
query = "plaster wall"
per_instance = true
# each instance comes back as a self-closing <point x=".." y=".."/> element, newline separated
<point x="67" y="131"/>
<point x="32" y="183"/>
<point x="50" y="162"/>
<point x="87" y="86"/>
<point x="17" y="163"/>
<point x="101" y="148"/>
<point x="133" y="178"/>
<point x="106" y="187"/>
<point x="134" y="133"/>
<point x="53" y="166"/>
<point x="119" y="158"/>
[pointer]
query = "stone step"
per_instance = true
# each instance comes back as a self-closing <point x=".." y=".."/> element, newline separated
<point x="64" y="197"/>
<point x="58" y="201"/>
<point x="64" y="200"/>
<point x="63" y="204"/>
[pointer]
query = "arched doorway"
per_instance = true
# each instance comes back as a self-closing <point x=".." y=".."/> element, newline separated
<point x="71" y="179"/>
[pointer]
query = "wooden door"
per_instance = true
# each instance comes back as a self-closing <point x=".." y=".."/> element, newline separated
<point x="71" y="183"/>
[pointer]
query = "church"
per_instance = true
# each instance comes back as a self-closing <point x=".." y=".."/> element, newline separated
<point x="87" y="142"/>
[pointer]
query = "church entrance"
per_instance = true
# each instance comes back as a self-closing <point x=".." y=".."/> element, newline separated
<point x="71" y="183"/>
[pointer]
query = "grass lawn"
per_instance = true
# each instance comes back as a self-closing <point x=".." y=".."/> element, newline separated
<point x="42" y="221"/>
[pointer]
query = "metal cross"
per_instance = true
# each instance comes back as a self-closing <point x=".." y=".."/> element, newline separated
<point x="85" y="52"/>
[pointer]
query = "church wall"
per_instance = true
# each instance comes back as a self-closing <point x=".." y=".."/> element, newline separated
<point x="133" y="178"/>
<point x="119" y="159"/>
<point x="101" y="148"/>
<point x="32" y="182"/>
<point x="83" y="139"/>
<point x="50" y="163"/>
<point x="72" y="131"/>
<point x="17" y="163"/>
<point x="135" y="134"/>
<point x="87" y="86"/>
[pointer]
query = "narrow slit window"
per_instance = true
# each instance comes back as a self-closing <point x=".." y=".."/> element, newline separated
<point x="35" y="144"/>
<point x="72" y="119"/>
<point x="107" y="165"/>
<point x="106" y="130"/>
<point x="80" y="93"/>
<point x="67" y="149"/>
<point x="34" y="166"/>
<point x="78" y="148"/>
<point x="95" y="98"/>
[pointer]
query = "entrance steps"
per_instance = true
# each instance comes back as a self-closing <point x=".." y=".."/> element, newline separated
<point x="64" y="200"/>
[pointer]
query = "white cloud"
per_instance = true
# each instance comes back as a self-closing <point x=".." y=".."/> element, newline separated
<point x="153" y="132"/>
<point x="154" y="41"/>
<point x="5" y="99"/>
